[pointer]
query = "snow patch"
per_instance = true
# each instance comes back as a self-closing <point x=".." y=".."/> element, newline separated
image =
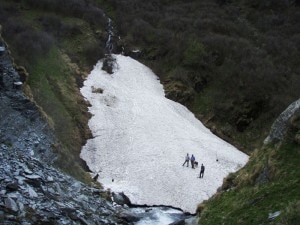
<point x="141" y="139"/>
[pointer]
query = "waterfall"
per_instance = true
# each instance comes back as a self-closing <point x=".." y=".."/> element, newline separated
<point x="109" y="43"/>
<point x="108" y="61"/>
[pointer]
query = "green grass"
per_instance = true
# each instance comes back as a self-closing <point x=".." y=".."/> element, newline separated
<point x="250" y="203"/>
<point x="54" y="89"/>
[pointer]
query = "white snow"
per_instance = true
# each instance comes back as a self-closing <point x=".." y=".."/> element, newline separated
<point x="141" y="139"/>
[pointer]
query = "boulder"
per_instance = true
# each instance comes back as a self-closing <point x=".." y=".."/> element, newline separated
<point x="12" y="186"/>
<point x="121" y="199"/>
<point x="129" y="217"/>
<point x="11" y="204"/>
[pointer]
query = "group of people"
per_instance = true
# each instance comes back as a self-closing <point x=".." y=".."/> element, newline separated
<point x="194" y="163"/>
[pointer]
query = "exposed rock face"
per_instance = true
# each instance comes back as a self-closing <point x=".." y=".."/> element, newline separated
<point x="278" y="128"/>
<point x="47" y="195"/>
<point x="21" y="125"/>
<point x="31" y="190"/>
<point x="178" y="92"/>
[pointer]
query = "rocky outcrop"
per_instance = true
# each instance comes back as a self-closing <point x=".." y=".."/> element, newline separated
<point x="178" y="92"/>
<point x="22" y="126"/>
<point x="279" y="127"/>
<point x="32" y="192"/>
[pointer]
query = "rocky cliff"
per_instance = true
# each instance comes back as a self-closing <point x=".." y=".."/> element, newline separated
<point x="32" y="191"/>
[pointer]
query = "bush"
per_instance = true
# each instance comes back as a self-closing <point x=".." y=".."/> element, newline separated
<point x="194" y="55"/>
<point x="54" y="25"/>
<point x="27" y="43"/>
<point x="92" y="52"/>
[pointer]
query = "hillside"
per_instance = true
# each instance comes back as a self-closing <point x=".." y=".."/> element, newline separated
<point x="53" y="49"/>
<point x="267" y="186"/>
<point x="235" y="64"/>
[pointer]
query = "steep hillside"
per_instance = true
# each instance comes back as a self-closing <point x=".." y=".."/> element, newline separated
<point x="32" y="191"/>
<point x="57" y="42"/>
<point x="235" y="64"/>
<point x="265" y="191"/>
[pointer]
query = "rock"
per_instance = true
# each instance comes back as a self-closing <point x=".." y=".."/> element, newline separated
<point x="2" y="50"/>
<point x="192" y="221"/>
<point x="27" y="171"/>
<point x="25" y="223"/>
<point x="108" y="64"/>
<point x="34" y="182"/>
<point x="31" y="192"/>
<point x="83" y="221"/>
<point x="179" y="92"/>
<point x="11" y="204"/>
<point x="12" y="186"/>
<point x="121" y="199"/>
<point x="129" y="217"/>
<point x="50" y="179"/>
<point x="33" y="177"/>
<point x="21" y="206"/>
<point x="272" y="216"/>
<point x="263" y="177"/>
<point x="279" y="127"/>
<point x="180" y="222"/>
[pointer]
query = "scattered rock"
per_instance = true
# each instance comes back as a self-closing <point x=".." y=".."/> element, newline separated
<point x="272" y="216"/>
<point x="263" y="176"/>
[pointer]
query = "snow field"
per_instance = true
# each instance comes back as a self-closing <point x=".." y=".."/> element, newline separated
<point x="141" y="139"/>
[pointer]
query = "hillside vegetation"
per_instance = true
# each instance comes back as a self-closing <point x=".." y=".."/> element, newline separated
<point x="235" y="64"/>
<point x="57" y="42"/>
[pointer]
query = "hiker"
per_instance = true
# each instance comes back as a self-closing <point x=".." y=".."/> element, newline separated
<point x="187" y="159"/>
<point x="202" y="171"/>
<point x="193" y="161"/>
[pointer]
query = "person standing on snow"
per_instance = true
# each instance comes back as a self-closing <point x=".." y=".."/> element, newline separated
<point x="192" y="161"/>
<point x="187" y="159"/>
<point x="202" y="171"/>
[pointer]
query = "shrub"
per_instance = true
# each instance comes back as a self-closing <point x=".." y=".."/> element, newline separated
<point x="28" y="44"/>
<point x="92" y="52"/>
<point x="195" y="54"/>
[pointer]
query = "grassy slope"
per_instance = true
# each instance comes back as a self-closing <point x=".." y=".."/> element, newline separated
<point x="54" y="79"/>
<point x="270" y="182"/>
